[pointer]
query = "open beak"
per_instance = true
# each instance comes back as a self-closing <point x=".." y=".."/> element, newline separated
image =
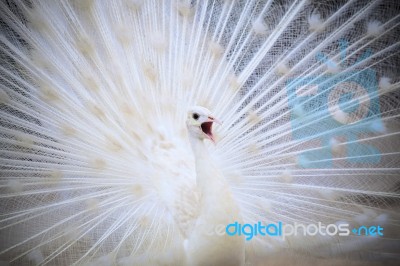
<point x="206" y="127"/>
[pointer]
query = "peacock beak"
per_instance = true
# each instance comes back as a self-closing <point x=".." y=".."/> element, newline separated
<point x="213" y="119"/>
<point x="206" y="127"/>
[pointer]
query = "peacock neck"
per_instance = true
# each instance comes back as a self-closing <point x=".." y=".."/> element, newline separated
<point x="217" y="208"/>
<point x="205" y="169"/>
<point x="209" y="180"/>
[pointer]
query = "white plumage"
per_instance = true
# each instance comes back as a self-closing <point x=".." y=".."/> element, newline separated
<point x="217" y="207"/>
<point x="102" y="163"/>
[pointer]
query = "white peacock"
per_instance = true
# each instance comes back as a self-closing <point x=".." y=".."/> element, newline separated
<point x="103" y="163"/>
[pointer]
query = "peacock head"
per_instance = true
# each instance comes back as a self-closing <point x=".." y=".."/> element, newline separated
<point x="199" y="123"/>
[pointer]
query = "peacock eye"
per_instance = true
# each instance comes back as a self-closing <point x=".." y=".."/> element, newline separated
<point x="195" y="116"/>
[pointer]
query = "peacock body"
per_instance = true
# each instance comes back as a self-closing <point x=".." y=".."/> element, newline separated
<point x="99" y="165"/>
